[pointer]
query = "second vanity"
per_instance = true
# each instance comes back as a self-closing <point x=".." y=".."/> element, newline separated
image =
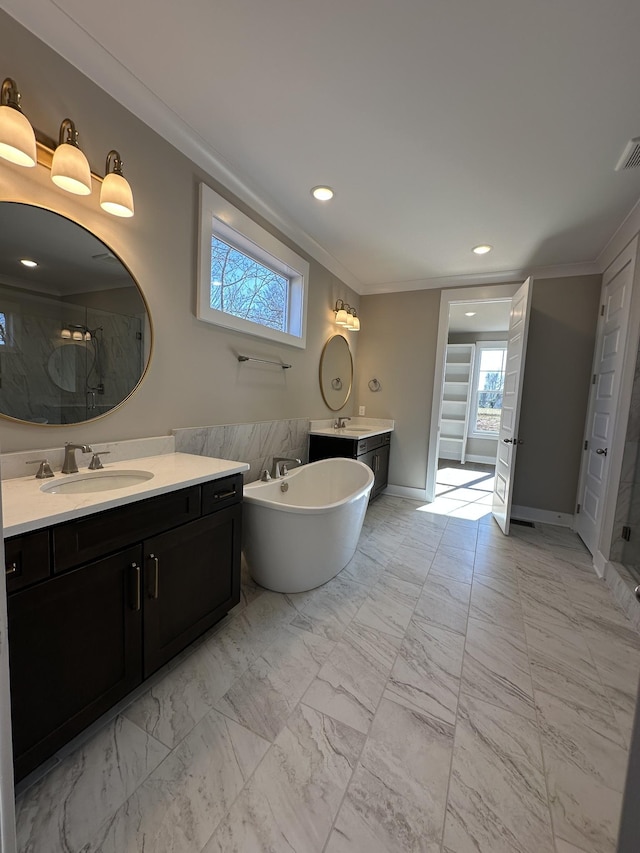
<point x="106" y="587"/>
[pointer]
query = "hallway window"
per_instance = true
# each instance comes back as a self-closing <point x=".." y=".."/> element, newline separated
<point x="488" y="386"/>
<point x="248" y="280"/>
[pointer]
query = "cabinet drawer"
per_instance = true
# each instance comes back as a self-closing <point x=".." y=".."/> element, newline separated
<point x="27" y="559"/>
<point x="77" y="542"/>
<point x="377" y="441"/>
<point x="221" y="493"/>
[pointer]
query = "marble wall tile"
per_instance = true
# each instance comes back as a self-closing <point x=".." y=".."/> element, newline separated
<point x="255" y="443"/>
<point x="350" y="684"/>
<point x="294" y="795"/>
<point x="66" y="808"/>
<point x="497" y="796"/>
<point x="182" y="802"/>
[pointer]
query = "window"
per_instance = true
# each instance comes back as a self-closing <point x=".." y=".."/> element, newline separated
<point x="488" y="385"/>
<point x="248" y="280"/>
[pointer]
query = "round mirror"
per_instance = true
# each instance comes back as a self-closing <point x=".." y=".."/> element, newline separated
<point x="336" y="372"/>
<point x="75" y="334"/>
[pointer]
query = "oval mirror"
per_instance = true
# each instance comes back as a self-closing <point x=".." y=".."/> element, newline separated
<point x="336" y="372"/>
<point x="75" y="333"/>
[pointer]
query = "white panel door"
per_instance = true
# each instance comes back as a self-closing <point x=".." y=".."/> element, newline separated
<point x="512" y="394"/>
<point x="611" y="336"/>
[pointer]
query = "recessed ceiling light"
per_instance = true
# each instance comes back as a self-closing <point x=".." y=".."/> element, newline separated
<point x="27" y="263"/>
<point x="322" y="193"/>
<point x="483" y="249"/>
<point x="469" y="313"/>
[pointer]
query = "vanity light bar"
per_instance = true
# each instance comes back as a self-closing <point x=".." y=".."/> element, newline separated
<point x="22" y="145"/>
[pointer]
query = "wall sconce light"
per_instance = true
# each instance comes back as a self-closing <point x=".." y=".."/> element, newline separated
<point x="24" y="146"/>
<point x="116" y="196"/>
<point x="346" y="316"/>
<point x="17" y="139"/>
<point x="70" y="168"/>
<point x="66" y="334"/>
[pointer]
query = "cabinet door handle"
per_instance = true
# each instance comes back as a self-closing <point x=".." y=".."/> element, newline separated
<point x="136" y="586"/>
<point x="376" y="463"/>
<point x="156" y="578"/>
<point x="11" y="568"/>
<point x="222" y="495"/>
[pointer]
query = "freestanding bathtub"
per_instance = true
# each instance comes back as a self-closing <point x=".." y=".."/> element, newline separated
<point x="297" y="539"/>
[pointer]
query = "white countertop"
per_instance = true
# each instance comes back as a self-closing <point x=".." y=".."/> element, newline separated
<point x="25" y="507"/>
<point x="355" y="428"/>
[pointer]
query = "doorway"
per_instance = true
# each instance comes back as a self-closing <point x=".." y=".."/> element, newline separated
<point x="472" y="336"/>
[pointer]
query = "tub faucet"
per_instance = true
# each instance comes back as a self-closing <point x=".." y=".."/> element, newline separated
<point x="70" y="466"/>
<point x="340" y="423"/>
<point x="280" y="465"/>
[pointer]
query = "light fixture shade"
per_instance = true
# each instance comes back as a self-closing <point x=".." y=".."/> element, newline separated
<point x="77" y="336"/>
<point x="66" y="334"/>
<point x="342" y="317"/>
<point x="70" y="169"/>
<point x="17" y="139"/>
<point x="87" y="335"/>
<point x="116" y="196"/>
<point x="349" y="323"/>
<point x="356" y="324"/>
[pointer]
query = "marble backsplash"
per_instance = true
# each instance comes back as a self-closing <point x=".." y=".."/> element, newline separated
<point x="255" y="443"/>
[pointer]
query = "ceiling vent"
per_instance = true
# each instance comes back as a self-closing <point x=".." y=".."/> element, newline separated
<point x="630" y="156"/>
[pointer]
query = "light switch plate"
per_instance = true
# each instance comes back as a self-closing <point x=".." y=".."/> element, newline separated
<point x="361" y="410"/>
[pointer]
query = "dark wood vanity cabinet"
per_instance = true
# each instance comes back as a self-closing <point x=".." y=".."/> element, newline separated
<point x="373" y="451"/>
<point x="83" y="632"/>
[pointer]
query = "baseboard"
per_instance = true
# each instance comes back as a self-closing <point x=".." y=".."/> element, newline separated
<point x="405" y="492"/>
<point x="599" y="563"/>
<point x="483" y="460"/>
<point x="529" y="513"/>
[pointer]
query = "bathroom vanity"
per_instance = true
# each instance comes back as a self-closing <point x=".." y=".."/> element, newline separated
<point x="99" y="601"/>
<point x="367" y="443"/>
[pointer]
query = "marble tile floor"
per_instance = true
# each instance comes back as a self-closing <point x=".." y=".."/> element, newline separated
<point x="451" y="691"/>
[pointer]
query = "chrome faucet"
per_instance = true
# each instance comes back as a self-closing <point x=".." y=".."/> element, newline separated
<point x="340" y="423"/>
<point x="280" y="467"/>
<point x="70" y="466"/>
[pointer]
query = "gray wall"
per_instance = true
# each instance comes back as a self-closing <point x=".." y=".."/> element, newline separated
<point x="556" y="384"/>
<point x="402" y="357"/>
<point x="194" y="377"/>
<point x="564" y="313"/>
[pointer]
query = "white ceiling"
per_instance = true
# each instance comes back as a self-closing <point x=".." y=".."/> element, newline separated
<point x="440" y="124"/>
<point x="488" y="316"/>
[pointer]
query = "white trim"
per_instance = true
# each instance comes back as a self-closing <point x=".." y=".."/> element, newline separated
<point x="483" y="460"/>
<point x="405" y="492"/>
<point x="220" y="218"/>
<point x="623" y="403"/>
<point x="7" y="798"/>
<point x="544" y="516"/>
<point x="625" y="233"/>
<point x="495" y="292"/>
<point x="488" y="278"/>
<point x="599" y="563"/>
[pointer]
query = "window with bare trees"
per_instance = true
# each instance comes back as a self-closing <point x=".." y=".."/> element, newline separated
<point x="248" y="279"/>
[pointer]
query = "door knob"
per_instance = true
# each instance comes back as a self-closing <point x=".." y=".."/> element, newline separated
<point x="508" y="441"/>
<point x="602" y="452"/>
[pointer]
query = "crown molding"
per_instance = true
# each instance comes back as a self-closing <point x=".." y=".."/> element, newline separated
<point x="491" y="277"/>
<point x="66" y="37"/>
<point x="624" y="234"/>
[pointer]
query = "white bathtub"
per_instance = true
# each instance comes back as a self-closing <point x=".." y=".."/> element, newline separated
<point x="301" y="538"/>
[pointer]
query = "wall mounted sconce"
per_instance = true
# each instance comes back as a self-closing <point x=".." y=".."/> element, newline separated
<point x="346" y="316"/>
<point x="80" y="332"/>
<point x="70" y="168"/>
<point x="115" y="195"/>
<point x="24" y="146"/>
<point x="17" y="139"/>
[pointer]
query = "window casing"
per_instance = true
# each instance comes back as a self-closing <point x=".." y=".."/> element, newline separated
<point x="487" y="389"/>
<point x="248" y="280"/>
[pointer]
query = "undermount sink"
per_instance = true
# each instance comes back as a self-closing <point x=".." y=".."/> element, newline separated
<point x="96" y="481"/>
